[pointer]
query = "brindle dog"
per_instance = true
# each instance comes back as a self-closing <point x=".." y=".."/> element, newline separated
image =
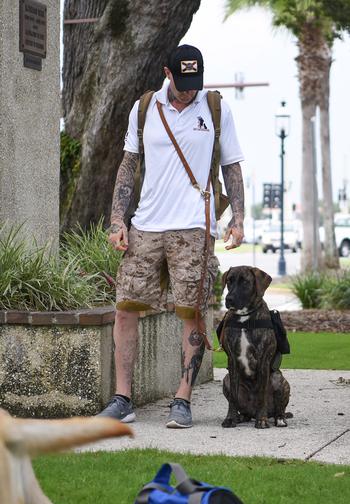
<point x="251" y="387"/>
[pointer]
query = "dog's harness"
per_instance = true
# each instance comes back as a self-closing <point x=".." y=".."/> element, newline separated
<point x="249" y="324"/>
<point x="274" y="322"/>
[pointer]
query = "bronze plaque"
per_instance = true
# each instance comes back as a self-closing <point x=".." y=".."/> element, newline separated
<point x="32" y="27"/>
<point x="33" y="62"/>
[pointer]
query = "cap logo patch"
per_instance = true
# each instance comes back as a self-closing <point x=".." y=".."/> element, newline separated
<point x="189" y="66"/>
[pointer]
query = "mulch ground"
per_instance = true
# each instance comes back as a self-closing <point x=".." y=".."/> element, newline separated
<point x="332" y="321"/>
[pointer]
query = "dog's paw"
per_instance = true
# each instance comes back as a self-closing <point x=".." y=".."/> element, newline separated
<point x="281" y="422"/>
<point x="262" y="423"/>
<point x="229" y="423"/>
<point x="244" y="418"/>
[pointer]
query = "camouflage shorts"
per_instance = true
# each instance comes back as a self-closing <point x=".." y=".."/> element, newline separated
<point x="154" y="258"/>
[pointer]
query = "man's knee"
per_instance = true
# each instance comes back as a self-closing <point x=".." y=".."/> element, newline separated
<point x="185" y="312"/>
<point x="126" y="319"/>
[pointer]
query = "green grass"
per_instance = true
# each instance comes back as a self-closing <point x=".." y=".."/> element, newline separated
<point x="309" y="351"/>
<point x="109" y="478"/>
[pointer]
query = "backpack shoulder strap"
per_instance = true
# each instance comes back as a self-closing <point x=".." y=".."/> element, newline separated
<point x="141" y="117"/>
<point x="140" y="169"/>
<point x="214" y="104"/>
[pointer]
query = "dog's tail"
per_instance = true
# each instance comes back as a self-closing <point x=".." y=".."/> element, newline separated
<point x="289" y="414"/>
<point x="43" y="436"/>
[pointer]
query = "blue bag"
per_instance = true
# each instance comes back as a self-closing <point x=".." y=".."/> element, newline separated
<point x="187" y="491"/>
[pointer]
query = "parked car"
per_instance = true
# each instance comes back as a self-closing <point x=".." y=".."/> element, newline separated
<point x="253" y="230"/>
<point x="342" y="234"/>
<point x="271" y="238"/>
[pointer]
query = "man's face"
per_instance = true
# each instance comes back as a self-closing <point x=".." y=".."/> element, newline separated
<point x="181" y="96"/>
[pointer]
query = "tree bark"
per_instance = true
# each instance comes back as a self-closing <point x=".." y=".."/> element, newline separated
<point x="309" y="59"/>
<point x="331" y="256"/>
<point x="311" y="248"/>
<point x="107" y="66"/>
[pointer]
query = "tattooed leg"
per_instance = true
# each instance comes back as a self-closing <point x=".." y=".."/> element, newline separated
<point x="125" y="338"/>
<point x="192" y="354"/>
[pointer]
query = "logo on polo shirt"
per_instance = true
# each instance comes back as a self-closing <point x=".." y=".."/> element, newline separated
<point x="189" y="66"/>
<point x="201" y="126"/>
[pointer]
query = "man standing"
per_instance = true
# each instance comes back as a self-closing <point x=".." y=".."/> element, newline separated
<point x="169" y="224"/>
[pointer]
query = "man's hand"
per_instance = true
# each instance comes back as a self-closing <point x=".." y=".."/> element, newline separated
<point x="118" y="236"/>
<point x="235" y="234"/>
<point x="235" y="191"/>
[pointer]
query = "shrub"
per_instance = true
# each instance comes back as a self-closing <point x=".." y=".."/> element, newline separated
<point x="217" y="291"/>
<point x="96" y="257"/>
<point x="337" y="292"/>
<point x="32" y="278"/>
<point x="309" y="289"/>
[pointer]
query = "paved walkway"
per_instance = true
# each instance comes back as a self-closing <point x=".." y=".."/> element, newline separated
<point x="320" y="429"/>
<point x="281" y="299"/>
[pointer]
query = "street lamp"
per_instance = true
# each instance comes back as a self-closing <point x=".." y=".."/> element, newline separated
<point x="282" y="120"/>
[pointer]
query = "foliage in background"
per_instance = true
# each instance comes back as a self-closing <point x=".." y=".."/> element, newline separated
<point x="328" y="290"/>
<point x="337" y="292"/>
<point x="315" y="24"/>
<point x="32" y="278"/>
<point x="217" y="291"/>
<point x="309" y="289"/>
<point x="70" y="164"/>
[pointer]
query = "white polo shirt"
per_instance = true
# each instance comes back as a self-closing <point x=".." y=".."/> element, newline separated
<point x="168" y="199"/>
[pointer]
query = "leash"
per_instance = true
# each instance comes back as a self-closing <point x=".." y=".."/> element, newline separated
<point x="200" y="324"/>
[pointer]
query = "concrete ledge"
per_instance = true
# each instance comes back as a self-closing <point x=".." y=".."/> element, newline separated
<point x="61" y="364"/>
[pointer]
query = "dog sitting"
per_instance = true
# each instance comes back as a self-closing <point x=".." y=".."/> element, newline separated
<point x="21" y="439"/>
<point x="253" y="389"/>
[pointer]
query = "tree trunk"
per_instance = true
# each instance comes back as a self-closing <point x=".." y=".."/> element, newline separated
<point x="308" y="61"/>
<point x="107" y="66"/>
<point x="331" y="256"/>
<point x="311" y="249"/>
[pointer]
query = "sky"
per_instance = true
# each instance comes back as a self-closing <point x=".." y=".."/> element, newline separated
<point x="247" y="43"/>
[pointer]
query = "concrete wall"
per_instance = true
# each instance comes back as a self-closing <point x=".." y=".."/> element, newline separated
<point x="29" y="127"/>
<point x="64" y="370"/>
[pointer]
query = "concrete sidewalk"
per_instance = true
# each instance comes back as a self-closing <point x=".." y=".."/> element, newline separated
<point x="320" y="429"/>
<point x="281" y="299"/>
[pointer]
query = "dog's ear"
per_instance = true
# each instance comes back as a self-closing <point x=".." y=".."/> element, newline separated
<point x="262" y="280"/>
<point x="224" y="279"/>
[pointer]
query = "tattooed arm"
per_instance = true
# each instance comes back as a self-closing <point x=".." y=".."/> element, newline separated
<point x="123" y="190"/>
<point x="235" y="191"/>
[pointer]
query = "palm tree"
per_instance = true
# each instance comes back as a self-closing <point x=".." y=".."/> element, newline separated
<point x="316" y="24"/>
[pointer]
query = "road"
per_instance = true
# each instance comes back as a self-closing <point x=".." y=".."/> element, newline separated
<point x="267" y="262"/>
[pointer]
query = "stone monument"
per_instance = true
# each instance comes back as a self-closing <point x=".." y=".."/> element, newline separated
<point x="30" y="116"/>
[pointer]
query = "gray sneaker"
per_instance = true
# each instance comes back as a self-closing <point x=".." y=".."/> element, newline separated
<point x="180" y="416"/>
<point x="120" y="409"/>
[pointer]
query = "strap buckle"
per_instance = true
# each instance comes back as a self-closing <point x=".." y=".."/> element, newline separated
<point x="204" y="193"/>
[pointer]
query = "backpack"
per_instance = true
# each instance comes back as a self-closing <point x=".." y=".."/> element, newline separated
<point x="214" y="103"/>
<point x="187" y="491"/>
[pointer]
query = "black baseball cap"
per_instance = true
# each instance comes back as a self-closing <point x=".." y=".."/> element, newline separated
<point x="186" y="65"/>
